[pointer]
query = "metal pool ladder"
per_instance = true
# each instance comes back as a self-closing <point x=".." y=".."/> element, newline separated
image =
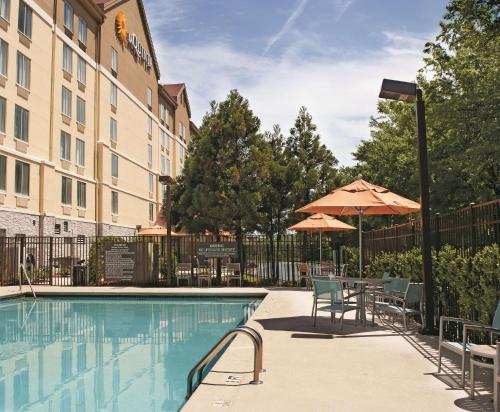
<point x="258" y="346"/>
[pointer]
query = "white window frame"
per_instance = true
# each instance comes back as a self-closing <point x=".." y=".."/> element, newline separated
<point x="114" y="166"/>
<point x="150" y="126"/>
<point x="24" y="176"/>
<point x="113" y="130"/>
<point x="3" y="114"/>
<point x="65" y="146"/>
<point x="81" y="70"/>
<point x="67" y="61"/>
<point x="4" y="57"/>
<point x="66" y="97"/>
<point x="150" y="97"/>
<point x="66" y="190"/>
<point x="151" y="211"/>
<point x="114" y="60"/>
<point x="25" y="22"/>
<point x="21" y="130"/>
<point x="5" y="9"/>
<point x="82" y="31"/>
<point x="114" y="202"/>
<point x="23" y="71"/>
<point x="151" y="182"/>
<point x="163" y="163"/>
<point x="150" y="153"/>
<point x="113" y="95"/>
<point x="81" y="194"/>
<point x="80" y="110"/>
<point x="80" y="152"/>
<point x="69" y="17"/>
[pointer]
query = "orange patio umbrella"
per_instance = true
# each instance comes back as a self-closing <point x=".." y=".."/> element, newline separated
<point x="321" y="222"/>
<point x="362" y="198"/>
<point x="156" y="230"/>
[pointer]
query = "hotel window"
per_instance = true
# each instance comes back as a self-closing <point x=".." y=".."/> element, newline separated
<point x="21" y="123"/>
<point x="162" y="164"/>
<point x="5" y="9"/>
<point x="163" y="137"/>
<point x="113" y="130"/>
<point x="114" y="202"/>
<point x="68" y="16"/>
<point x="80" y="152"/>
<point x="65" y="190"/>
<point x="150" y="154"/>
<point x="151" y="212"/>
<point x="114" y="60"/>
<point x="162" y="114"/>
<point x="25" y="17"/>
<point x="182" y="154"/>
<point x="82" y="31"/>
<point x="66" y="102"/>
<point x="167" y="118"/>
<point x="22" y="178"/>
<point x="4" y="56"/>
<point x="23" y="70"/>
<point x="81" y="194"/>
<point x="150" y="98"/>
<point x="65" y="146"/>
<point x="67" y="59"/>
<point x="81" y="71"/>
<point x="3" y="172"/>
<point x="150" y="126"/>
<point x="3" y="109"/>
<point x="114" y="165"/>
<point x="80" y="110"/>
<point x="151" y="183"/>
<point x="114" y="95"/>
<point x="167" y="167"/>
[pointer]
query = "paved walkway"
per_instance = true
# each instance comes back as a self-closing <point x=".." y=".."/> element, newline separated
<point x="324" y="369"/>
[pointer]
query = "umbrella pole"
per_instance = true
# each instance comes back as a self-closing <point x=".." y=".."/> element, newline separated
<point x="320" y="257"/>
<point x="360" y="215"/>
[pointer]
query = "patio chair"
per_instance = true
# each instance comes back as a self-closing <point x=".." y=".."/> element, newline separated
<point x="403" y="298"/>
<point x="464" y="347"/>
<point x="233" y="272"/>
<point x="332" y="291"/>
<point x="184" y="273"/>
<point x="304" y="274"/>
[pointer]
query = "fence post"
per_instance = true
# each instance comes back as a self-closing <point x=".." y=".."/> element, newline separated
<point x="51" y="259"/>
<point x="438" y="233"/>
<point x="472" y="228"/>
<point x="497" y="224"/>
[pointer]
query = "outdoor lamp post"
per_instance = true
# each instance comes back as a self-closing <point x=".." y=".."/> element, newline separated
<point x="408" y="92"/>
<point x="167" y="182"/>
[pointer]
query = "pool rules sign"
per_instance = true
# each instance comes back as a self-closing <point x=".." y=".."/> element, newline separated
<point x="122" y="261"/>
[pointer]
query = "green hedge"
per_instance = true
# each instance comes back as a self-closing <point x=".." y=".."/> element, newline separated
<point x="470" y="284"/>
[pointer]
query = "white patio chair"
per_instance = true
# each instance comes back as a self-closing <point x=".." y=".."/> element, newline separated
<point x="233" y="272"/>
<point x="464" y="346"/>
<point x="184" y="273"/>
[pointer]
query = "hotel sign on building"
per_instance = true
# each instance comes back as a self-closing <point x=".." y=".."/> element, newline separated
<point x="141" y="53"/>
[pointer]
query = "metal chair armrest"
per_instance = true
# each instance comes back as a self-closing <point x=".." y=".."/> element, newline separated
<point x="480" y="328"/>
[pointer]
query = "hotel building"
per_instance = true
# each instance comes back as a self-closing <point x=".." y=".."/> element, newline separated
<point x="86" y="128"/>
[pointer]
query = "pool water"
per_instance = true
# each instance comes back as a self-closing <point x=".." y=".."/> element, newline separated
<point x="107" y="354"/>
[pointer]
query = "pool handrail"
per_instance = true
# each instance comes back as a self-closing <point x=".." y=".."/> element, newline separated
<point x="212" y="353"/>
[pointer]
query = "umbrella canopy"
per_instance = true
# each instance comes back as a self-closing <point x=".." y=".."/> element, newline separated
<point x="321" y="222"/>
<point x="156" y="230"/>
<point x="362" y="198"/>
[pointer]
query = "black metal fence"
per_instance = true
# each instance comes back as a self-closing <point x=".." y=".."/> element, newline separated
<point x="80" y="261"/>
<point x="466" y="229"/>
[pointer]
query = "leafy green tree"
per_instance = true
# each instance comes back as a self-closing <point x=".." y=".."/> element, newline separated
<point x="317" y="174"/>
<point x="220" y="185"/>
<point x="277" y="192"/>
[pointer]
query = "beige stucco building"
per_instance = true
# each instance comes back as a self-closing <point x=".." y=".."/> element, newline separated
<point x="86" y="126"/>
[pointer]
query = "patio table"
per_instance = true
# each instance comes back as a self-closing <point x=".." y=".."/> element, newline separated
<point x="483" y="356"/>
<point x="361" y="285"/>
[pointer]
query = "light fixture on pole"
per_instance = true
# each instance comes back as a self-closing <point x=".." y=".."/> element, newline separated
<point x="408" y="92"/>
<point x="167" y="182"/>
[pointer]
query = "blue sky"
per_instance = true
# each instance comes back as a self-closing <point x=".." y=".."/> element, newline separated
<point x="329" y="55"/>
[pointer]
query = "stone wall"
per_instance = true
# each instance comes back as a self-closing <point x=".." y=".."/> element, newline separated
<point x="115" y="230"/>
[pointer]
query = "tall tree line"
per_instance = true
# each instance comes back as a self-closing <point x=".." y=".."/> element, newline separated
<point x="459" y="79"/>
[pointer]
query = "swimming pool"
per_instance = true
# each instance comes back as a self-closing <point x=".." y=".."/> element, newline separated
<point x="107" y="354"/>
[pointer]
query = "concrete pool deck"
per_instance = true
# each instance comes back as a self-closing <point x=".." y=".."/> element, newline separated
<point x="313" y="368"/>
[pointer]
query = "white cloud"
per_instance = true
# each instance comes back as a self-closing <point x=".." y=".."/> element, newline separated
<point x="340" y="93"/>
<point x="286" y="27"/>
